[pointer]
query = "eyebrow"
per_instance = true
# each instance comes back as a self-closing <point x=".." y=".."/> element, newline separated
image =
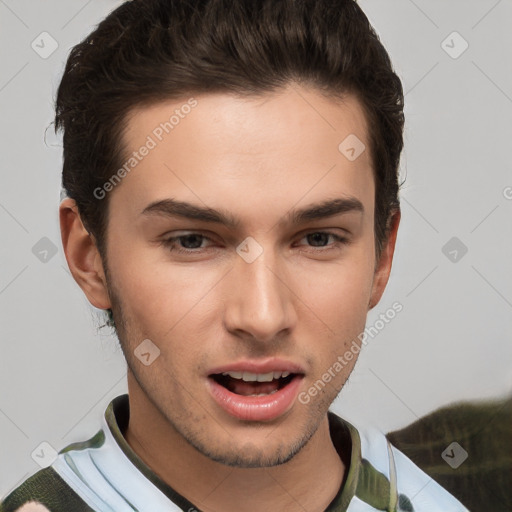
<point x="325" y="209"/>
<point x="173" y="208"/>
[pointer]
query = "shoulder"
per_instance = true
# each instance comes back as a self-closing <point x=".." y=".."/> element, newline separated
<point x="467" y="449"/>
<point x="380" y="477"/>
<point x="413" y="489"/>
<point x="44" y="491"/>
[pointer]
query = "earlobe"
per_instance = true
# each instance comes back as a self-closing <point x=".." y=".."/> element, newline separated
<point x="383" y="268"/>
<point x="82" y="255"/>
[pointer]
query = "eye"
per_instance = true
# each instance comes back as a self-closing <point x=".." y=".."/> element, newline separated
<point x="187" y="243"/>
<point x="320" y="240"/>
<point x="197" y="243"/>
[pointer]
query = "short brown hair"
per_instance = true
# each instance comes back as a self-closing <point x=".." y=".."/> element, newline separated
<point x="146" y="51"/>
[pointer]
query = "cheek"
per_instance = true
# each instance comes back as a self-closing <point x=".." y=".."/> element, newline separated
<point x="335" y="314"/>
<point x="160" y="298"/>
<point x="340" y="305"/>
<point x="340" y="294"/>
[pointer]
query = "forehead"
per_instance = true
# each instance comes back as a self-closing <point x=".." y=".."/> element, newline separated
<point x="278" y="148"/>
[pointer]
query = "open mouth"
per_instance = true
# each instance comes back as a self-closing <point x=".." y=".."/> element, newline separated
<point x="253" y="384"/>
<point x="262" y="394"/>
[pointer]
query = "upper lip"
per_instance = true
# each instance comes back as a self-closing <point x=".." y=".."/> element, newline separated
<point x="259" y="366"/>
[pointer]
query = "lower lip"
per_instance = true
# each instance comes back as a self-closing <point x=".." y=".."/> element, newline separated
<point x="256" y="408"/>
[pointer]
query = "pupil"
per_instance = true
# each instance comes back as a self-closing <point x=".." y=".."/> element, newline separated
<point x="318" y="237"/>
<point x="197" y="238"/>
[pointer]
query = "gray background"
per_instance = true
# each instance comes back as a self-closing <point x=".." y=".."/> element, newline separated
<point x="451" y="342"/>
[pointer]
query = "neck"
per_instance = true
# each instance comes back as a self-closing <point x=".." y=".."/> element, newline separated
<point x="213" y="486"/>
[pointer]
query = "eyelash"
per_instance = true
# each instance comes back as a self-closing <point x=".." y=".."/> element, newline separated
<point x="169" y="242"/>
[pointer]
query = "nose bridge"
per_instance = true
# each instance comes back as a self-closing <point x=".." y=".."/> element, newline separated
<point x="260" y="303"/>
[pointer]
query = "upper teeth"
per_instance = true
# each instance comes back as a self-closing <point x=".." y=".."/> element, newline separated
<point x="260" y="377"/>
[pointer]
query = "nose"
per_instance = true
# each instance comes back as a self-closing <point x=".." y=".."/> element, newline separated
<point x="259" y="302"/>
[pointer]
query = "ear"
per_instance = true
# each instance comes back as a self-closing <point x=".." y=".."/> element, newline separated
<point x="383" y="268"/>
<point x="82" y="255"/>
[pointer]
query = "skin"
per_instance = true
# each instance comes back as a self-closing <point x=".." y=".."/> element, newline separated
<point x="304" y="299"/>
<point x="32" y="507"/>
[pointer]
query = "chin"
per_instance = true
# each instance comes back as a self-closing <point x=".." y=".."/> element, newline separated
<point x="271" y="449"/>
<point x="251" y="456"/>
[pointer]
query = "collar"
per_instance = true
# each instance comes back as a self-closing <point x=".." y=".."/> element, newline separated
<point x="362" y="479"/>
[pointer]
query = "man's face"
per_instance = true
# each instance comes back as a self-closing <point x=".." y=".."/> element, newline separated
<point x="293" y="298"/>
